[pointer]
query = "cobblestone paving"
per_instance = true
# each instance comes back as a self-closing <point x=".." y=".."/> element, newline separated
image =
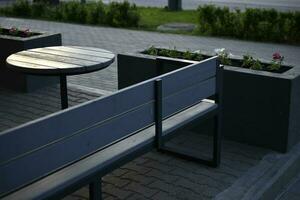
<point x="154" y="175"/>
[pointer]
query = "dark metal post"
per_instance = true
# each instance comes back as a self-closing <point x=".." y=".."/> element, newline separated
<point x="158" y="113"/>
<point x="217" y="142"/>
<point x="63" y="91"/>
<point x="218" y="118"/>
<point x="174" y="5"/>
<point x="95" y="189"/>
<point x="51" y="2"/>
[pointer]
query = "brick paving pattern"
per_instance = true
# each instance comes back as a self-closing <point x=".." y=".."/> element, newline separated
<point x="292" y="192"/>
<point x="160" y="176"/>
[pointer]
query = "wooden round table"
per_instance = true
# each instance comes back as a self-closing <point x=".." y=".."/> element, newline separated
<point x="60" y="61"/>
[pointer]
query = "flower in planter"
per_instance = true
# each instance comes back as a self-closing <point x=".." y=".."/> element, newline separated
<point x="188" y="55"/>
<point x="223" y="56"/>
<point x="276" y="62"/>
<point x="152" y="51"/>
<point x="26" y="33"/>
<point x="256" y="65"/>
<point x="251" y="63"/>
<point x="173" y="53"/>
<point x="277" y="56"/>
<point x="164" y="52"/>
<point x="13" y="30"/>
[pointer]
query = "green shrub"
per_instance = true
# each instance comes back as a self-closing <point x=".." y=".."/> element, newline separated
<point x="122" y="15"/>
<point x="115" y="14"/>
<point x="253" y="24"/>
<point x="21" y="8"/>
<point x="38" y="9"/>
<point x="95" y="13"/>
<point x="73" y="12"/>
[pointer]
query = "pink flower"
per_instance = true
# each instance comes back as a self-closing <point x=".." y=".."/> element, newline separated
<point x="13" y="30"/>
<point x="26" y="32"/>
<point x="277" y="56"/>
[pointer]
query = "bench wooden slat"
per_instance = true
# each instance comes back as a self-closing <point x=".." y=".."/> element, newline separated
<point x="39" y="68"/>
<point x="36" y="164"/>
<point x="76" y="61"/>
<point x="120" y="152"/>
<point x="68" y="54"/>
<point x="85" y="51"/>
<point x="189" y="96"/>
<point x="38" y="61"/>
<point x="65" y="123"/>
<point x="91" y="49"/>
<point x="188" y="76"/>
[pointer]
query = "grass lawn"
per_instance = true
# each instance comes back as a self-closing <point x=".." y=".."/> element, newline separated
<point x="153" y="17"/>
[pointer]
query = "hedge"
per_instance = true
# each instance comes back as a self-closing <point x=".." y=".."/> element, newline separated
<point x="115" y="14"/>
<point x="251" y="24"/>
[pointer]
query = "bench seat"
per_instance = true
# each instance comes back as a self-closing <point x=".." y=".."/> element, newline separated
<point x="80" y="173"/>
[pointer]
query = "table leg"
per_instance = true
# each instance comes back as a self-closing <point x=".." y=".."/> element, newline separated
<point x="63" y="91"/>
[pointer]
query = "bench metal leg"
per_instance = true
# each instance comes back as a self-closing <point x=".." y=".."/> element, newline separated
<point x="63" y="92"/>
<point x="186" y="154"/>
<point x="158" y="114"/>
<point x="95" y="189"/>
<point x="217" y="141"/>
<point x="213" y="162"/>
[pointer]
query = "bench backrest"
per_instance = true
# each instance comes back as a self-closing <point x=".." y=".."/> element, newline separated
<point x="43" y="146"/>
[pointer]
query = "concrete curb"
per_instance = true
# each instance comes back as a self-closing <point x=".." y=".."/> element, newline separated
<point x="267" y="179"/>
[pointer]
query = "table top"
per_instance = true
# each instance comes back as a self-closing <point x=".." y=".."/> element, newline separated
<point x="57" y="60"/>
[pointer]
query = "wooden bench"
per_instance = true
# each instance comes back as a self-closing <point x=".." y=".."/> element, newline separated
<point x="54" y="156"/>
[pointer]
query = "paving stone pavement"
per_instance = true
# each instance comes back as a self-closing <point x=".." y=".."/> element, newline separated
<point x="154" y="175"/>
<point x="160" y="176"/>
<point x="292" y="192"/>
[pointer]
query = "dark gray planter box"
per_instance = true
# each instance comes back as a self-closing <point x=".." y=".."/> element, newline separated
<point x="259" y="108"/>
<point x="18" y="81"/>
<point x="262" y="108"/>
<point x="135" y="68"/>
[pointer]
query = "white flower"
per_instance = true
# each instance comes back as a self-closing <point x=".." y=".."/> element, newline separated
<point x="220" y="51"/>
